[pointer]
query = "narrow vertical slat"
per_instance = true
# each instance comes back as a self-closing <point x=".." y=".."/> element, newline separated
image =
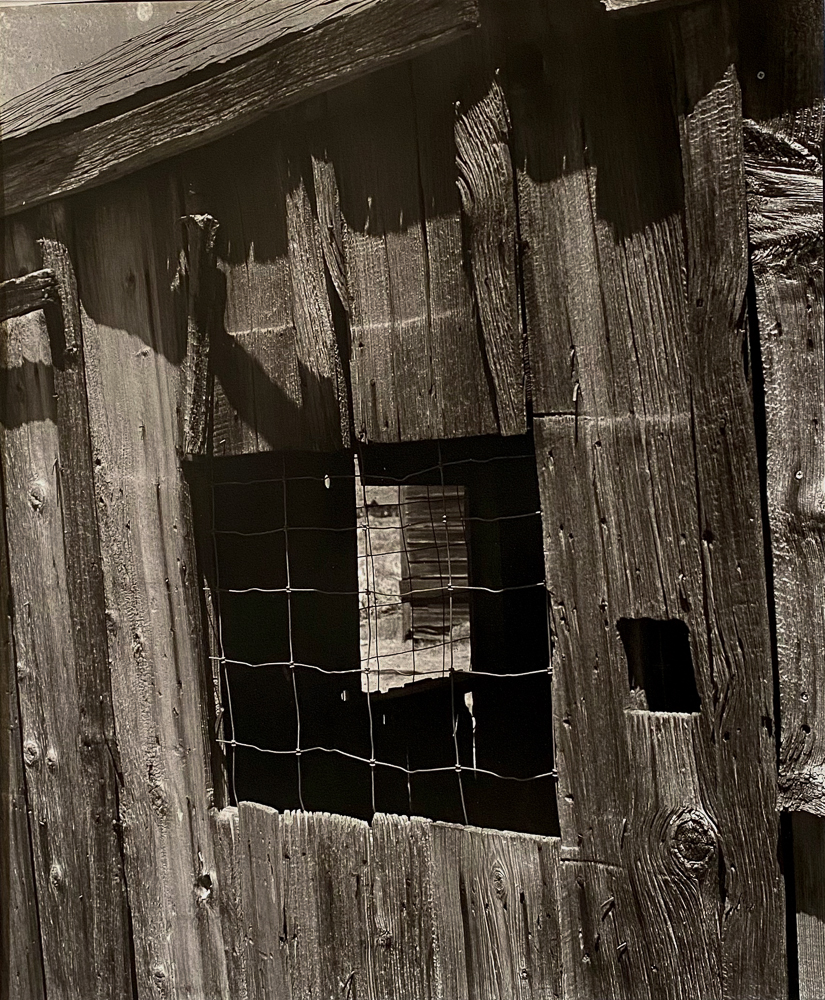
<point x="262" y="900"/>
<point x="404" y="949"/>
<point x="451" y="967"/>
<point x="65" y="713"/>
<point x="809" y="864"/>
<point x="325" y="883"/>
<point x="228" y="855"/>
<point x="21" y="959"/>
<point x="781" y="70"/>
<point x="127" y="244"/>
<point x="203" y="301"/>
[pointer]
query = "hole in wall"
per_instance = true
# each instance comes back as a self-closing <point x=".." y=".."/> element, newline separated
<point x="659" y="664"/>
<point x="304" y="508"/>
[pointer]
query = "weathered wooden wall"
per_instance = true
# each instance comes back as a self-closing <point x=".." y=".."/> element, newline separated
<point x="781" y="68"/>
<point x="550" y="212"/>
<point x="632" y="206"/>
<point x="334" y="906"/>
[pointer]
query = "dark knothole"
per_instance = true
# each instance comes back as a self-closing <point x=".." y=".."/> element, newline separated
<point x="659" y="663"/>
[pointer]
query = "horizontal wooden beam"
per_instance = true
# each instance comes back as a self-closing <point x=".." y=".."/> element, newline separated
<point x="24" y="295"/>
<point x="329" y="44"/>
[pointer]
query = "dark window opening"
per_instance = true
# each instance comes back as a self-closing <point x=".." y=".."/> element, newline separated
<point x="660" y="666"/>
<point x="291" y="600"/>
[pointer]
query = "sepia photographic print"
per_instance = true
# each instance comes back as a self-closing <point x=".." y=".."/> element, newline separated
<point x="412" y="467"/>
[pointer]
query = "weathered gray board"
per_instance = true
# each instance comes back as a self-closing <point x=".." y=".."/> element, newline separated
<point x="632" y="206"/>
<point x="782" y="70"/>
<point x="333" y="906"/>
<point x="376" y="263"/>
<point x="206" y="74"/>
<point x="59" y="636"/>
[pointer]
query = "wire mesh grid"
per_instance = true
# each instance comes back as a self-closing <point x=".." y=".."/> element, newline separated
<point x="449" y="588"/>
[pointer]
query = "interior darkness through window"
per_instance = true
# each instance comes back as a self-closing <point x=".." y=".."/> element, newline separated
<point x="299" y="509"/>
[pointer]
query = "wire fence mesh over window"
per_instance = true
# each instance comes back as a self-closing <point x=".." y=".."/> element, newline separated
<point x="380" y="630"/>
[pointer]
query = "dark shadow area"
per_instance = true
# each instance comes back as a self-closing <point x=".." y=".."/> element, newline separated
<point x="502" y="724"/>
<point x="659" y="663"/>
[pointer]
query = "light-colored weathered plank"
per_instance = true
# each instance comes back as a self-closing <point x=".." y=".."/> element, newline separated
<point x="227" y="886"/>
<point x="60" y="649"/>
<point x="325" y="885"/>
<point x="496" y="913"/>
<point x="404" y="947"/>
<point x="21" y="960"/>
<point x="19" y="296"/>
<point x="261" y="861"/>
<point x="317" y="46"/>
<point x="127" y="245"/>
<point x="781" y="68"/>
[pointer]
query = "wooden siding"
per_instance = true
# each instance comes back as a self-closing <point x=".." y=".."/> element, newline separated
<point x="783" y="156"/>
<point x="635" y="290"/>
<point x="378" y="281"/>
<point x="169" y="92"/>
<point x="68" y="745"/>
<point x="399" y="908"/>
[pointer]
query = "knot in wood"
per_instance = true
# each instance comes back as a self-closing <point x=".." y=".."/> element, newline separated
<point x="56" y="877"/>
<point x="692" y="840"/>
<point x="37" y="496"/>
<point x="499" y="881"/>
<point x="51" y="759"/>
<point x="31" y="753"/>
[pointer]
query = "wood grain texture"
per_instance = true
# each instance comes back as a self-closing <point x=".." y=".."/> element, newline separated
<point x="279" y="375"/>
<point x="781" y="71"/>
<point x="809" y="860"/>
<point x="127" y="247"/>
<point x="21" y="960"/>
<point x="203" y="306"/>
<point x="435" y="347"/>
<point x="19" y="296"/>
<point x="496" y="913"/>
<point x="404" y="948"/>
<point x="325" y="886"/>
<point x="309" y="47"/>
<point x="261" y="862"/>
<point x="60" y="647"/>
<point x="632" y="207"/>
<point x="227" y="886"/>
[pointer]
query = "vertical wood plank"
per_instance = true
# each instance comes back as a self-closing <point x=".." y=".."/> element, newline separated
<point x="417" y="368"/>
<point x="497" y="913"/>
<point x="650" y="502"/>
<point x="68" y="746"/>
<point x="228" y="855"/>
<point x="781" y="69"/>
<point x="325" y="893"/>
<point x="201" y="280"/>
<point x="21" y="960"/>
<point x="261" y="862"/>
<point x="280" y="381"/>
<point x="709" y="104"/>
<point x="127" y="242"/>
<point x="404" y="947"/>
<point x="809" y="864"/>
